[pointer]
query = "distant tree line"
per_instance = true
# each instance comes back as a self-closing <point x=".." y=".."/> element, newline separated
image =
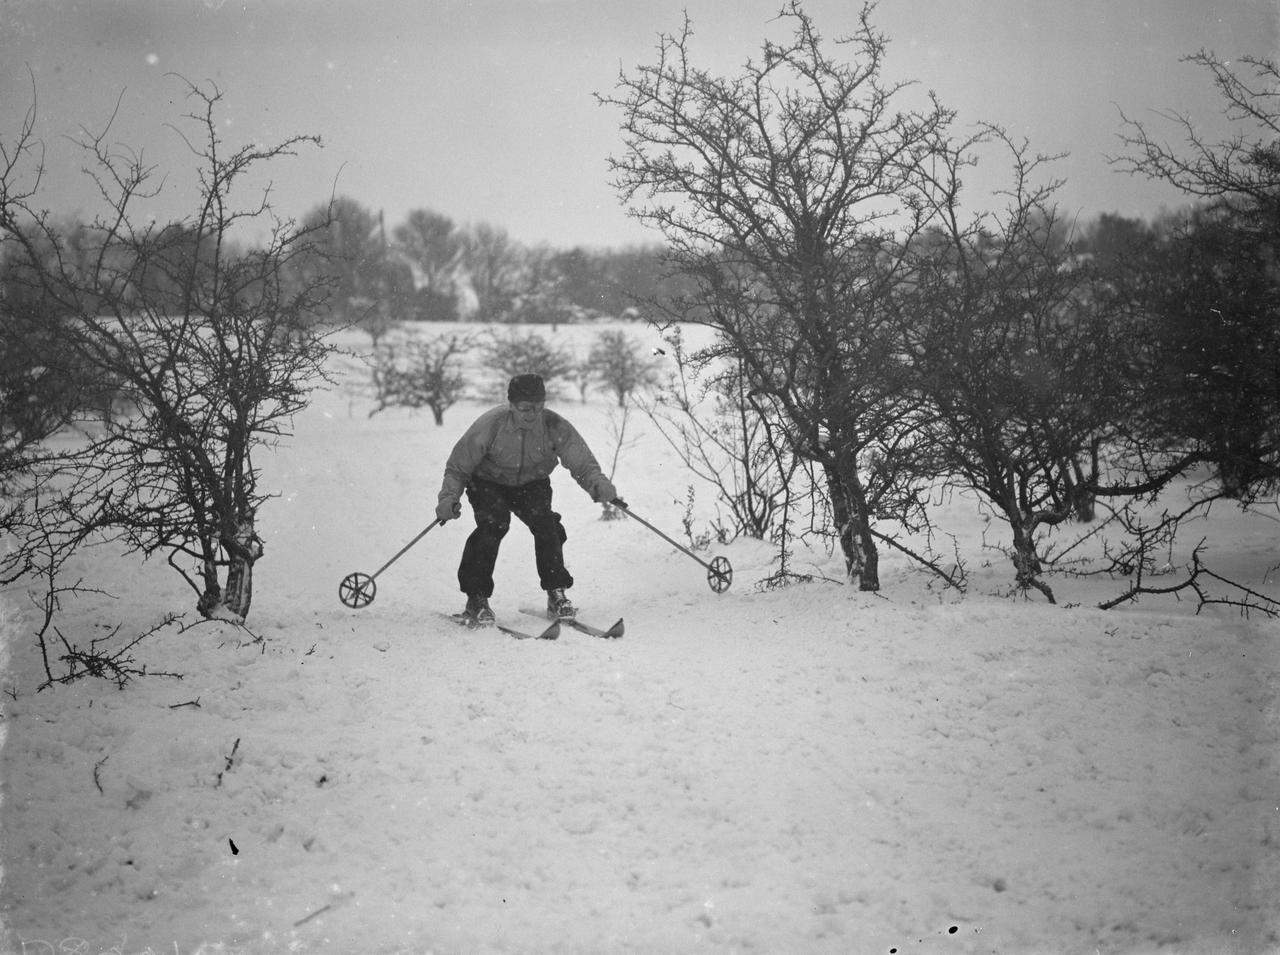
<point x="426" y="268"/>
<point x="430" y="269"/>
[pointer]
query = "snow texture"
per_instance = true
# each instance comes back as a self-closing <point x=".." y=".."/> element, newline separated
<point x="806" y="770"/>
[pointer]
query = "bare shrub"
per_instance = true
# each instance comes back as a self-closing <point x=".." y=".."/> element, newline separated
<point x="421" y="373"/>
<point x="514" y="351"/>
<point x="619" y="363"/>
<point x="215" y="346"/>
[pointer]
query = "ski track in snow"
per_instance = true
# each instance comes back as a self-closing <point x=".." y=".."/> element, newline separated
<point x="811" y="769"/>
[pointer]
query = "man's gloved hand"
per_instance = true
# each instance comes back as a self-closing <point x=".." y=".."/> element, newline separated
<point x="448" y="510"/>
<point x="603" y="491"/>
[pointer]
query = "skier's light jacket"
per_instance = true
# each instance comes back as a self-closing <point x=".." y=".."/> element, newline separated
<point x="495" y="448"/>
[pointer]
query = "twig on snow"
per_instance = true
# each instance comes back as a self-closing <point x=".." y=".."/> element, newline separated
<point x="231" y="759"/>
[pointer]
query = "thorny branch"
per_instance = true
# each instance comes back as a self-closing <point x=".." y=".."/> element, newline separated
<point x="1242" y="597"/>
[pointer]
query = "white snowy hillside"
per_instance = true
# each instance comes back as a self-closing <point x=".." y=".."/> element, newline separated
<point x="806" y="770"/>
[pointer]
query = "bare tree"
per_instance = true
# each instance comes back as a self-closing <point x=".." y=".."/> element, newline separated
<point x="513" y="351"/>
<point x="215" y="348"/>
<point x="433" y="247"/>
<point x="1022" y="370"/>
<point x="1215" y="317"/>
<point x="619" y="363"/>
<point x="37" y="397"/>
<point x="348" y="250"/>
<point x="783" y="193"/>
<point x="538" y="290"/>
<point x="1244" y="167"/>
<point x="494" y="264"/>
<point x="421" y="373"/>
<point x="722" y="439"/>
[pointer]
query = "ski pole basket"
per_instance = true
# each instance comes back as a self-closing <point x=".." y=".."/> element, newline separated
<point x="719" y="574"/>
<point x="719" y="570"/>
<point x="358" y="590"/>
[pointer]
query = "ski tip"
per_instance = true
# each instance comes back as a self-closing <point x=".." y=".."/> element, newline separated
<point x="614" y="632"/>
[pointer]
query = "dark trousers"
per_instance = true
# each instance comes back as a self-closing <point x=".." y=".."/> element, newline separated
<point x="493" y="505"/>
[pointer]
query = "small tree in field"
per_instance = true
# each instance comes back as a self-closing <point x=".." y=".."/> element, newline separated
<point x="620" y="365"/>
<point x="422" y="373"/>
<point x="512" y="352"/>
<point x="215" y="348"/>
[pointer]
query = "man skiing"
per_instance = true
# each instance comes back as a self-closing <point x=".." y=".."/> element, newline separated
<point x="504" y="462"/>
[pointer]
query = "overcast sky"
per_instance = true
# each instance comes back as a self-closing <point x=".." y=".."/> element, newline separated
<point x="484" y="110"/>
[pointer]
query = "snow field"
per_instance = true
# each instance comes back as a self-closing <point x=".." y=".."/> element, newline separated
<point x="805" y="770"/>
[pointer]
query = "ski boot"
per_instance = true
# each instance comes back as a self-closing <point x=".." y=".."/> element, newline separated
<point x="477" y="612"/>
<point x="559" y="607"/>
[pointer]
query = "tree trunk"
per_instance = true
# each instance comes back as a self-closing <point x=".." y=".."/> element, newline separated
<point x="1085" y="507"/>
<point x="1026" y="562"/>
<point x="853" y="521"/>
<point x="239" y="589"/>
<point x="1084" y="503"/>
<point x="211" y="598"/>
<point x="232" y="601"/>
<point x="1236" y="474"/>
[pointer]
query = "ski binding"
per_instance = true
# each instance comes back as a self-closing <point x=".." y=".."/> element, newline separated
<point x="461" y="619"/>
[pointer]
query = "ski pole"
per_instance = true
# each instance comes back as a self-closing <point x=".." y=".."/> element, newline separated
<point x="358" y="590"/>
<point x="719" y="571"/>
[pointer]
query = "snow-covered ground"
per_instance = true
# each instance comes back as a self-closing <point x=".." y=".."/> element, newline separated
<point x="812" y="769"/>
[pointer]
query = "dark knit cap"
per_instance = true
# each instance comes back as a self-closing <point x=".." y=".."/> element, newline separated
<point x="526" y="388"/>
